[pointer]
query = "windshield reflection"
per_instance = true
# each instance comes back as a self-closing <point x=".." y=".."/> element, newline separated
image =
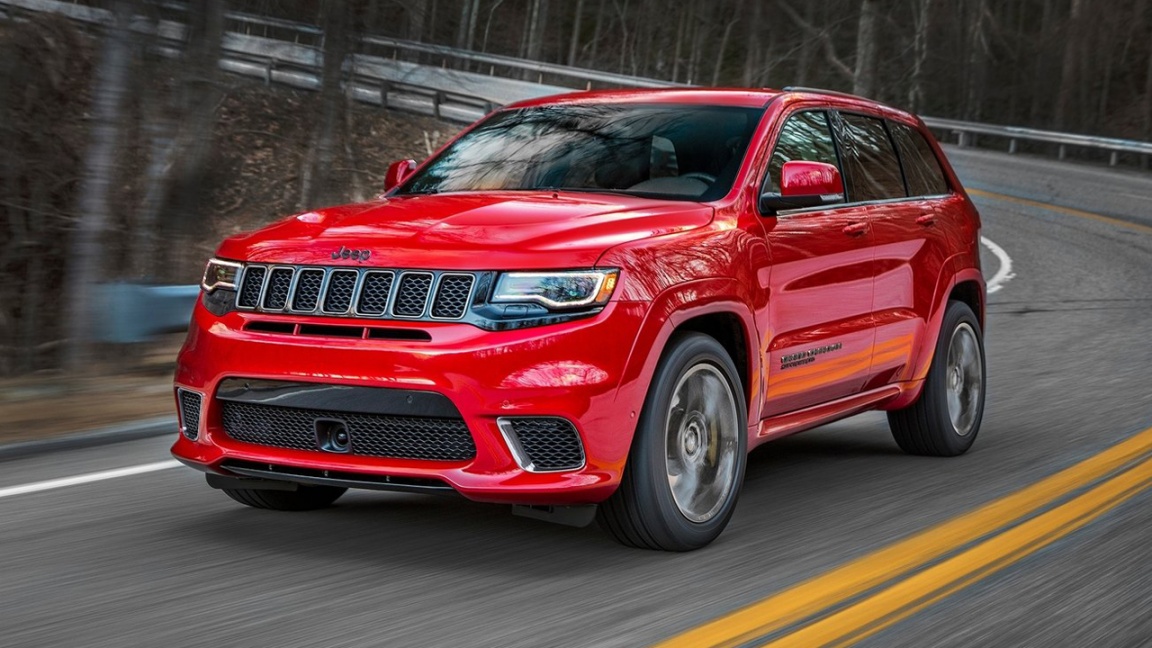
<point x="685" y="152"/>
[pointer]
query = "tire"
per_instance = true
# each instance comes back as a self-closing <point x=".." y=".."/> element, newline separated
<point x="694" y="422"/>
<point x="944" y="421"/>
<point x="304" y="498"/>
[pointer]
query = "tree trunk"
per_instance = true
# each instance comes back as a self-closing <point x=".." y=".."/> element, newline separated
<point x="597" y="31"/>
<point x="1148" y="100"/>
<point x="417" y="16"/>
<point x="1069" y="71"/>
<point x="473" y="13"/>
<point x="752" y="46"/>
<point x="977" y="62"/>
<point x="86" y="258"/>
<point x="807" y="49"/>
<point x="864" y="76"/>
<point x="536" y="26"/>
<point x="575" y="42"/>
<point x="919" y="55"/>
<point x="199" y="97"/>
<point x="724" y="43"/>
<point x="317" y="179"/>
<point x="681" y="28"/>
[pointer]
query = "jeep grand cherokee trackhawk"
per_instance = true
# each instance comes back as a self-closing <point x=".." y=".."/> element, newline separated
<point x="603" y="298"/>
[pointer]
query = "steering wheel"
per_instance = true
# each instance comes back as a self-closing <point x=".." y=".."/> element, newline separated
<point x="707" y="178"/>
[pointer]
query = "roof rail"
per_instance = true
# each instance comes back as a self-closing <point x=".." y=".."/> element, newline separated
<point x="823" y="91"/>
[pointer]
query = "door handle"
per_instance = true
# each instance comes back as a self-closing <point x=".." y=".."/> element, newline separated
<point x="927" y="220"/>
<point x="856" y="229"/>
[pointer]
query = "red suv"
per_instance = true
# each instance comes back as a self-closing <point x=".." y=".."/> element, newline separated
<point x="595" y="305"/>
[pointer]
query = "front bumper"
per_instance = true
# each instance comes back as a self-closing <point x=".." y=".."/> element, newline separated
<point x="573" y="371"/>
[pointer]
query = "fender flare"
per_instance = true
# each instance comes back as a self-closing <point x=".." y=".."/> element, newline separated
<point x="666" y="313"/>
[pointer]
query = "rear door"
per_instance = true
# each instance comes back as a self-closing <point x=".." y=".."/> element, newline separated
<point x="820" y="302"/>
<point x="911" y="250"/>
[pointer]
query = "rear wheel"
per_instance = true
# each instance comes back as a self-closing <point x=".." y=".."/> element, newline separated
<point x="944" y="421"/>
<point x="304" y="498"/>
<point x="687" y="460"/>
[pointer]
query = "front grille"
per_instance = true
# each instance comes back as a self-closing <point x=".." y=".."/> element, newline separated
<point x="452" y="296"/>
<point x="413" y="294"/>
<point x="252" y="288"/>
<point x="547" y="444"/>
<point x="276" y="295"/>
<point x="338" y="297"/>
<point x="356" y="292"/>
<point x="372" y="435"/>
<point x="308" y="290"/>
<point x="189" y="413"/>
<point x="374" y="293"/>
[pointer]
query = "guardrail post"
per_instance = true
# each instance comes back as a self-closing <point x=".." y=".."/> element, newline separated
<point x="963" y="140"/>
<point x="1114" y="158"/>
<point x="268" y="71"/>
<point x="436" y="99"/>
<point x="385" y="87"/>
<point x="1062" y="152"/>
<point x="1012" y="145"/>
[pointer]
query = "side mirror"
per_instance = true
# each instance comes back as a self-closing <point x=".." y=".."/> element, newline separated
<point x="805" y="184"/>
<point x="398" y="172"/>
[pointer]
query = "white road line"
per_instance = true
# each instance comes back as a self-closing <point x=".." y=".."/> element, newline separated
<point x="85" y="479"/>
<point x="1004" y="274"/>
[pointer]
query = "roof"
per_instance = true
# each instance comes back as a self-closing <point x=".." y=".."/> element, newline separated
<point x="741" y="97"/>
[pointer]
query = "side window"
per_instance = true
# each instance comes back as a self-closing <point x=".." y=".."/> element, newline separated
<point x="872" y="166"/>
<point x="805" y="136"/>
<point x="921" y="168"/>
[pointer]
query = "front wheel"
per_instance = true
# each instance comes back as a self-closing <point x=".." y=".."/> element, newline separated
<point x="687" y="460"/>
<point x="944" y="421"/>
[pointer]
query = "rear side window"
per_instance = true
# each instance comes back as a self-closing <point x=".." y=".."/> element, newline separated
<point x="870" y="160"/>
<point x="921" y="168"/>
<point x="805" y="136"/>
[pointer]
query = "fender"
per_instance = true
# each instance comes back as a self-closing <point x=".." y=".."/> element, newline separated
<point x="670" y="309"/>
<point x="960" y="270"/>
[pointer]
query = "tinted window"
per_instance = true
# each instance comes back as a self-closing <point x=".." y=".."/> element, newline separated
<point x="687" y="152"/>
<point x="805" y="136"/>
<point x="921" y="168"/>
<point x="870" y="160"/>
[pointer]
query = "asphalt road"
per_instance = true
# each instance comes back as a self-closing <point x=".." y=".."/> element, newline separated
<point x="159" y="559"/>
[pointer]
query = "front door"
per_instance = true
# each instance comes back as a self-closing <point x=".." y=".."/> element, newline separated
<point x="819" y="346"/>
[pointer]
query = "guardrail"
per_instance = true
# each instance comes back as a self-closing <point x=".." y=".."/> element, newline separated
<point x="966" y="132"/>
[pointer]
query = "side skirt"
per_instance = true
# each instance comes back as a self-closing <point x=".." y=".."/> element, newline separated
<point x="817" y="415"/>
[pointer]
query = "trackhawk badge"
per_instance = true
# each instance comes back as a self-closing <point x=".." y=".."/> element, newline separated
<point x="806" y="357"/>
<point x="356" y="255"/>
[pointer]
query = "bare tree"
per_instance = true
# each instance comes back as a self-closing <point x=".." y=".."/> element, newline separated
<point x="317" y="187"/>
<point x="864" y="76"/>
<point x="86" y="258"/>
<point x="916" y="89"/>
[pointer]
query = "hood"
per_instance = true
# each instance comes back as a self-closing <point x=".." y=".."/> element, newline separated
<point x="508" y="231"/>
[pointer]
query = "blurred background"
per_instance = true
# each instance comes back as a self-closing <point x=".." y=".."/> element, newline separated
<point x="136" y="134"/>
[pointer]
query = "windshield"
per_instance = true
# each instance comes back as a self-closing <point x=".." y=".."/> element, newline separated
<point x="685" y="152"/>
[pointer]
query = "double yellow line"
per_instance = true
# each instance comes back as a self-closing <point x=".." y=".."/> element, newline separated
<point x="862" y="597"/>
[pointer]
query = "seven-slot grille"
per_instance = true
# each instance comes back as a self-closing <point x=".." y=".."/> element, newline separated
<point x="189" y="413"/>
<point x="373" y="435"/>
<point x="356" y="292"/>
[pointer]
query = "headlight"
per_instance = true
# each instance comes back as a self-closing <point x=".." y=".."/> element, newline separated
<point x="220" y="274"/>
<point x="557" y="289"/>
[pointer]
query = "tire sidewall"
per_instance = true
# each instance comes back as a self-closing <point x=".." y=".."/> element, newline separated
<point x="957" y="313"/>
<point x="648" y="459"/>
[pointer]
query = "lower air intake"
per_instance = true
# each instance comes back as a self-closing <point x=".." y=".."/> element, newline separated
<point x="544" y="444"/>
<point x="372" y="435"/>
<point x="190" y="403"/>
